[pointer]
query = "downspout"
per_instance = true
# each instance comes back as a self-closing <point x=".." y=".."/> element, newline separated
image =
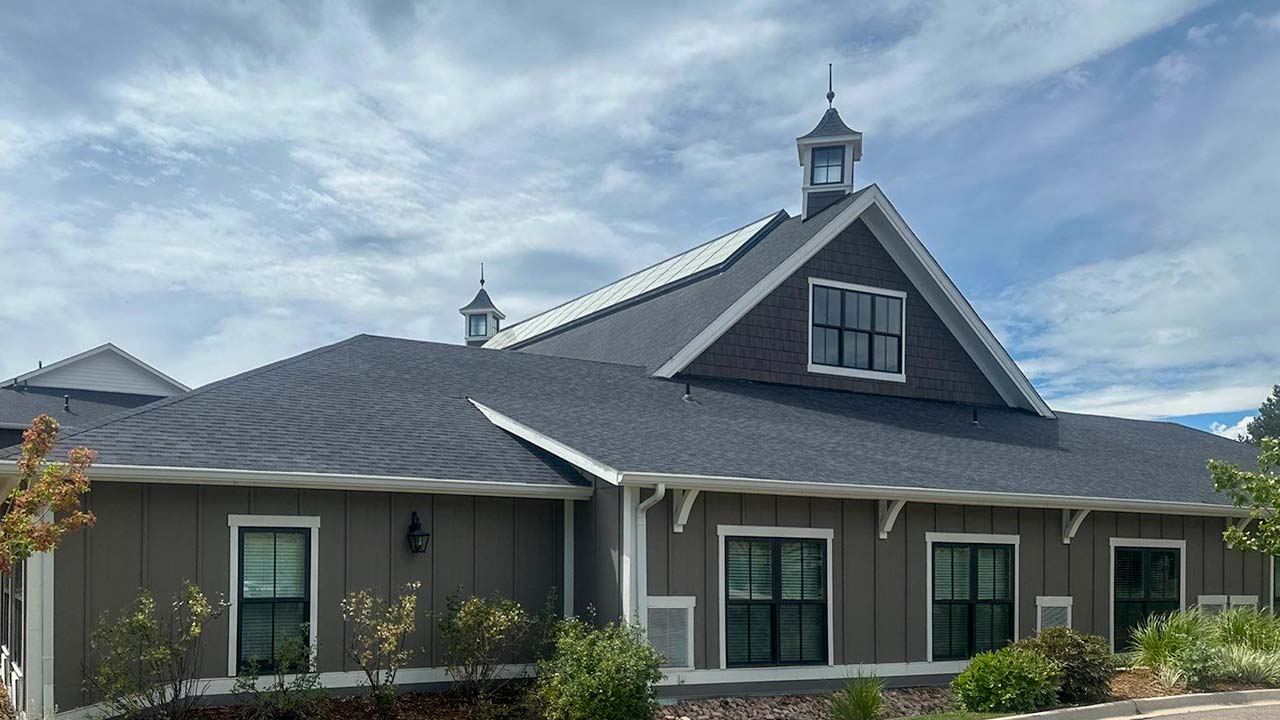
<point x="642" y="553"/>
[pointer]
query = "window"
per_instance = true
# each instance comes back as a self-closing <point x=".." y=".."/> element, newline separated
<point x="477" y="325"/>
<point x="775" y="604"/>
<point x="856" y="330"/>
<point x="1147" y="582"/>
<point x="274" y="600"/>
<point x="828" y="166"/>
<point x="972" y="599"/>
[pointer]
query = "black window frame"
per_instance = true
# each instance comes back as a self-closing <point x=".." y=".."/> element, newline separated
<point x="826" y="165"/>
<point x="1121" y="635"/>
<point x="265" y="666"/>
<point x="972" y="601"/>
<point x="842" y="328"/>
<point x="484" y="321"/>
<point x="777" y="602"/>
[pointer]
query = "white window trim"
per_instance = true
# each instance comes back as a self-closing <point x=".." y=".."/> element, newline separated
<point x="900" y="376"/>
<point x="763" y="531"/>
<point x="1116" y="542"/>
<point x="976" y="538"/>
<point x="235" y="523"/>
<point x="1271" y="583"/>
<point x="1054" y="601"/>
<point x="678" y="602"/>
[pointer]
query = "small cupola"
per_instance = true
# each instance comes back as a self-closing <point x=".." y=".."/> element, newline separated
<point x="827" y="154"/>
<point x="481" y="316"/>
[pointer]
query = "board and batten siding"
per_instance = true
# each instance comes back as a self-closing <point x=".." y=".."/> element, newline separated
<point x="880" y="586"/>
<point x="158" y="536"/>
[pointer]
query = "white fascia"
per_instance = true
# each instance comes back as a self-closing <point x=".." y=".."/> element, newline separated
<point x="555" y="447"/>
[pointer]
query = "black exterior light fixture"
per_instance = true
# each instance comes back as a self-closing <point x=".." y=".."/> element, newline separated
<point x="418" y="538"/>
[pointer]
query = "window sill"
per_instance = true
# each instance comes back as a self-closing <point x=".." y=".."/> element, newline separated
<point x="857" y="373"/>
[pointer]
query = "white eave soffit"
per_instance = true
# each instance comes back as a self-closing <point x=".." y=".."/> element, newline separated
<point x="920" y="268"/>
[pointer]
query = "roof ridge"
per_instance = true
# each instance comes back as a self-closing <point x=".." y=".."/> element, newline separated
<point x="253" y="372"/>
<point x="559" y="358"/>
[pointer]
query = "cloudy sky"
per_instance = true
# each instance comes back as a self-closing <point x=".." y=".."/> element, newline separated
<point x="213" y="186"/>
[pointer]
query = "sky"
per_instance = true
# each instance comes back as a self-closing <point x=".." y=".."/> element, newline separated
<point x="214" y="186"/>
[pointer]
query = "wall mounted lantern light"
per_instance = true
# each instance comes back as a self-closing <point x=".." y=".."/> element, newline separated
<point x="418" y="538"/>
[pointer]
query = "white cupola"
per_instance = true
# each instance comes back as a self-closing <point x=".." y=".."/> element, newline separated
<point x="827" y="154"/>
<point x="481" y="317"/>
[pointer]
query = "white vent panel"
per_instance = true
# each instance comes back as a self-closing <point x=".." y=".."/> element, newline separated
<point x="1212" y="604"/>
<point x="670" y="629"/>
<point x="1053" y="611"/>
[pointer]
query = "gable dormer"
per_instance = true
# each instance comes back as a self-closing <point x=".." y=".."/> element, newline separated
<point x="827" y="155"/>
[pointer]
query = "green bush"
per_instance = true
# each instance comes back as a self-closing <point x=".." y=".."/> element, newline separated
<point x="1010" y="680"/>
<point x="862" y="698"/>
<point x="1246" y="627"/>
<point x="598" y="674"/>
<point x="1085" y="661"/>
<point x="1161" y="637"/>
<point x="1259" y="667"/>
<point x="290" y="690"/>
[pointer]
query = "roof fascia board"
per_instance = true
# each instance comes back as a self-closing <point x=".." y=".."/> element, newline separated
<point x="978" y="341"/>
<point x="106" y="347"/>
<point x="962" y="320"/>
<point x="320" y="481"/>
<point x="555" y="447"/>
<point x="766" y="285"/>
<point x="761" y="486"/>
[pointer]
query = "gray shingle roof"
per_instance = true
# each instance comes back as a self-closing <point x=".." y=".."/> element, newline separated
<point x="650" y="332"/>
<point x="381" y="406"/>
<point x="480" y="302"/>
<point x="19" y="406"/>
<point x="829" y="126"/>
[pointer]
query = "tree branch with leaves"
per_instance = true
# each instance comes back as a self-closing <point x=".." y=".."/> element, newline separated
<point x="1259" y="491"/>
<point x="46" y="503"/>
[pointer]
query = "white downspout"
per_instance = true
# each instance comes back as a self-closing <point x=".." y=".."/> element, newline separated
<point x="642" y="552"/>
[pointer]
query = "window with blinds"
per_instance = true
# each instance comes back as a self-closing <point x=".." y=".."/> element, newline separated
<point x="1147" y="582"/>
<point x="972" y="599"/>
<point x="775" y="604"/>
<point x="274" y="595"/>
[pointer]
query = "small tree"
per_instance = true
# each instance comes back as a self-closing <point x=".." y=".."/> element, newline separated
<point x="1267" y="424"/>
<point x="480" y="636"/>
<point x="1257" y="490"/>
<point x="377" y="645"/>
<point x="147" y="664"/>
<point x="45" y="504"/>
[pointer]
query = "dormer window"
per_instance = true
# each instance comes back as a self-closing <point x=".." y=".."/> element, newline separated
<point x="477" y="325"/>
<point x="828" y="165"/>
<point x="856" y="330"/>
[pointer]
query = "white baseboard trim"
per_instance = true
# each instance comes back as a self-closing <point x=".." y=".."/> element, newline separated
<point x="815" y="672"/>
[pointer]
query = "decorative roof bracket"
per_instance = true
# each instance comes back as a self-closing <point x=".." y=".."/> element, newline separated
<point x="682" y="502"/>
<point x="889" y="511"/>
<point x="1071" y="522"/>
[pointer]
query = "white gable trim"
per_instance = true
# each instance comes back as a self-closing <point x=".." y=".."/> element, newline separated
<point x="107" y="347"/>
<point x="555" y="447"/>
<point x="919" y="266"/>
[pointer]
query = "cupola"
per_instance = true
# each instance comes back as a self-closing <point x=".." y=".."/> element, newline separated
<point x="827" y="154"/>
<point x="482" y="318"/>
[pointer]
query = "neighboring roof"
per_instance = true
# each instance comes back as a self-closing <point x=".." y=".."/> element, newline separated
<point x="366" y="406"/>
<point x="19" y="406"/>
<point x="649" y="332"/>
<point x="52" y="375"/>
<point x="381" y="406"/>
<point x="689" y="266"/>
<point x="829" y="126"/>
<point x="481" y="302"/>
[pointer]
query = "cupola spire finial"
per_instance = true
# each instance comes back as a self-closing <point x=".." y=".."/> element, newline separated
<point x="831" y="94"/>
<point x="481" y="274"/>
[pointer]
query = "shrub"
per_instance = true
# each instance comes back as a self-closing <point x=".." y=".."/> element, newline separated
<point x="1085" y="662"/>
<point x="377" y="644"/>
<point x="1245" y="664"/>
<point x="479" y="636"/>
<point x="1161" y="637"/>
<point x="1010" y="680"/>
<point x="146" y="664"/>
<point x="598" y="674"/>
<point x="291" y="690"/>
<point x="1246" y="627"/>
<point x="862" y="698"/>
<point x="1193" y="666"/>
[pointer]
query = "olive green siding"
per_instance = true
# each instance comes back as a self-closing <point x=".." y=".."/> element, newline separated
<point x="159" y="536"/>
<point x="880" y="595"/>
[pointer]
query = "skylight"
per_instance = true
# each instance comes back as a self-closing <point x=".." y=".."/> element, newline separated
<point x="705" y="257"/>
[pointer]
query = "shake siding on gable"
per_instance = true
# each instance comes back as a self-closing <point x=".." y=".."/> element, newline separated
<point x="157" y="536"/>
<point x="771" y="342"/>
<point x="880" y="597"/>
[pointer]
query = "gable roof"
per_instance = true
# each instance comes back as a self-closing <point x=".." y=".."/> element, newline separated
<point x="664" y="333"/>
<point x="427" y="415"/>
<point x="687" y="267"/>
<point x="55" y="374"/>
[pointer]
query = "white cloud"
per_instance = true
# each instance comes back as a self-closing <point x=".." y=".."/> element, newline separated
<point x="1232" y="432"/>
<point x="1204" y="35"/>
<point x="1175" y="70"/>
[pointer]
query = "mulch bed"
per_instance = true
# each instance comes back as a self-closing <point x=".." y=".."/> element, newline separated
<point x="903" y="702"/>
